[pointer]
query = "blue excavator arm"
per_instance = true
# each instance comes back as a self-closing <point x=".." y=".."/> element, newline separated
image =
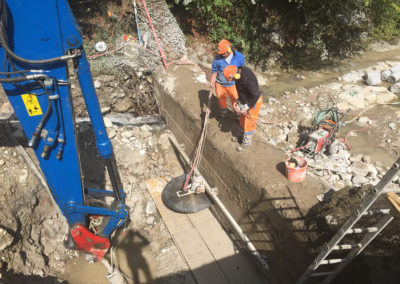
<point x="38" y="40"/>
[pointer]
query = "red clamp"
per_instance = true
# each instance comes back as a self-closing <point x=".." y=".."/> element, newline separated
<point x="89" y="242"/>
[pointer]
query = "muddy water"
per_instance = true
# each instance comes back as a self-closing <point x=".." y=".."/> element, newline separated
<point x="289" y="82"/>
<point x="134" y="258"/>
<point x="364" y="142"/>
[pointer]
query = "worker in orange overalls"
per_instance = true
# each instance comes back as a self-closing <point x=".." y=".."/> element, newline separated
<point x="226" y="56"/>
<point x="248" y="104"/>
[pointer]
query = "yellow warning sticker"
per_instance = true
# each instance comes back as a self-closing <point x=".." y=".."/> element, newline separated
<point x="31" y="104"/>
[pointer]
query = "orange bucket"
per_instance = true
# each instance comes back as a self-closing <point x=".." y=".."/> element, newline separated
<point x="296" y="173"/>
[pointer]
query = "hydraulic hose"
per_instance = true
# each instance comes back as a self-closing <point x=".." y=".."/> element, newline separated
<point x="4" y="42"/>
<point x="38" y="130"/>
<point x="15" y="72"/>
<point x="28" y="61"/>
<point x="23" y="78"/>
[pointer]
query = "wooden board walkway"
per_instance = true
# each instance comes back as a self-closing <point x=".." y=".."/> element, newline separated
<point x="205" y="246"/>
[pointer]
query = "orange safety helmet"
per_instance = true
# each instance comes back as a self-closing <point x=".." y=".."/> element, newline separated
<point x="224" y="46"/>
<point x="230" y="72"/>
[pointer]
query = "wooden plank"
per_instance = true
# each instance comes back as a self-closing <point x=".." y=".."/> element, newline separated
<point x="394" y="199"/>
<point x="199" y="258"/>
<point x="236" y="266"/>
<point x="175" y="222"/>
<point x="187" y="238"/>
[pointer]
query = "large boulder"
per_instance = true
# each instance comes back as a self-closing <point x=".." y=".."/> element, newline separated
<point x="358" y="97"/>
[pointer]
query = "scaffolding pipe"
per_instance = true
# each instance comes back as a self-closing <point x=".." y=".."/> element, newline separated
<point x="249" y="245"/>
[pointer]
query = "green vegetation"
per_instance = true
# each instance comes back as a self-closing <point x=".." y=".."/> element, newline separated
<point x="293" y="32"/>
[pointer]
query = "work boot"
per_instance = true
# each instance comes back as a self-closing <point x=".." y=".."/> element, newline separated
<point x="239" y="136"/>
<point x="247" y="138"/>
<point x="223" y="112"/>
<point x="246" y="141"/>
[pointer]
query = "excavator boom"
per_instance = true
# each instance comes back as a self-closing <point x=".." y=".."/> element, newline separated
<point x="38" y="40"/>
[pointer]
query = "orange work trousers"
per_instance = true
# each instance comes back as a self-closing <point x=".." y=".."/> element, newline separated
<point x="248" y="121"/>
<point x="221" y="92"/>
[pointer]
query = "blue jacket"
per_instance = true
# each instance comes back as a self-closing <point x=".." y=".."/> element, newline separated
<point x="220" y="63"/>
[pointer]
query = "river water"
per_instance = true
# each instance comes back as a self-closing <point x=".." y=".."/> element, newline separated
<point x="365" y="142"/>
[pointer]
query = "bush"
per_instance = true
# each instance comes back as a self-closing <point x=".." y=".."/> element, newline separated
<point x="295" y="30"/>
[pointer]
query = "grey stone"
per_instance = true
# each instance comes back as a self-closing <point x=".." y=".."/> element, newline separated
<point x="346" y="176"/>
<point x="23" y="177"/>
<point x="127" y="134"/>
<point x="394" y="77"/>
<point x="6" y="239"/>
<point x="359" y="168"/>
<point x="282" y="137"/>
<point x="385" y="74"/>
<point x="352" y="77"/>
<point x="367" y="159"/>
<point x="331" y="220"/>
<point x="150" y="207"/>
<point x="164" y="146"/>
<point x="150" y="220"/>
<point x="364" y="120"/>
<point x="123" y="105"/>
<point x="395" y="68"/>
<point x="6" y="109"/>
<point x="359" y="179"/>
<point x="144" y="134"/>
<point x="395" y="88"/>
<point x="105" y="110"/>
<point x="373" y="78"/>
<point x="97" y="84"/>
<point x="107" y="122"/>
<point x="112" y="134"/>
<point x="372" y="171"/>
<point x="392" y="125"/>
<point x="145" y="127"/>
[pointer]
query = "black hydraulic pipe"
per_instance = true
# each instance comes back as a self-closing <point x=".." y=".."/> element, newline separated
<point x="21" y="79"/>
<point x="4" y="42"/>
<point x="38" y="130"/>
<point x="113" y="178"/>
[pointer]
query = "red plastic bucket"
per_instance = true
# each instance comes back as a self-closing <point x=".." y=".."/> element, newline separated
<point x="296" y="173"/>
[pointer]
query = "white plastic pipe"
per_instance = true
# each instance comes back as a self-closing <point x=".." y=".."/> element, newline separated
<point x="249" y="245"/>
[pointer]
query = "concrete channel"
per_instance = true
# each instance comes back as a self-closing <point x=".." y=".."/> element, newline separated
<point x="251" y="184"/>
